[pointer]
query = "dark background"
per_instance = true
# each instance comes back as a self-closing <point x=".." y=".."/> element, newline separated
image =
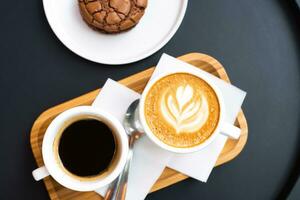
<point x="256" y="40"/>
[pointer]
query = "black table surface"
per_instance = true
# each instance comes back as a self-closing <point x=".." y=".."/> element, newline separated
<point x="258" y="43"/>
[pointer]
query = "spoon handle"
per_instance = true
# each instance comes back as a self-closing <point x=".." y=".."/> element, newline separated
<point x="117" y="190"/>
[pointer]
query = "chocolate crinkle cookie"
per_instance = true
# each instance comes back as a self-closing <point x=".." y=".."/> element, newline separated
<point x="112" y="16"/>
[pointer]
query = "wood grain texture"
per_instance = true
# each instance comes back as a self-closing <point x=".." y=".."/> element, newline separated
<point x="137" y="82"/>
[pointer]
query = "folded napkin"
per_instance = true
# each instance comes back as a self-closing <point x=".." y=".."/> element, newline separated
<point x="149" y="160"/>
<point x="199" y="164"/>
<point x="146" y="166"/>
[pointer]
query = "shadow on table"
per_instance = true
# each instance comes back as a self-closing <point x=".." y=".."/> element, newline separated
<point x="292" y="13"/>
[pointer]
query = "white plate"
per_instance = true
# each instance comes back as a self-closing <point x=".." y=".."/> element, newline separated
<point x="160" y="22"/>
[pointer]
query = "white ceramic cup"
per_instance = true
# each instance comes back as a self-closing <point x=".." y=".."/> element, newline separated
<point x="53" y="167"/>
<point x="222" y="127"/>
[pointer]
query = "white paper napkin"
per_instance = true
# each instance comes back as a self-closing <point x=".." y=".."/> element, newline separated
<point x="149" y="160"/>
<point x="146" y="165"/>
<point x="199" y="165"/>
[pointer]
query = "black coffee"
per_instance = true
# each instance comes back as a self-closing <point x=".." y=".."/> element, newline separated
<point x="87" y="147"/>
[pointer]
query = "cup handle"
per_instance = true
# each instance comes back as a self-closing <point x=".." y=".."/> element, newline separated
<point x="230" y="131"/>
<point x="40" y="173"/>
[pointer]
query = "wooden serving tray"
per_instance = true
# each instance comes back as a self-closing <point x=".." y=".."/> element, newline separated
<point x="136" y="82"/>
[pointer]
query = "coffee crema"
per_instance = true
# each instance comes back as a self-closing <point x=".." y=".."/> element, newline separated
<point x="182" y="110"/>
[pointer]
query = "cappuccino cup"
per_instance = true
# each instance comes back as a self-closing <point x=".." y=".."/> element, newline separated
<point x="84" y="149"/>
<point x="183" y="111"/>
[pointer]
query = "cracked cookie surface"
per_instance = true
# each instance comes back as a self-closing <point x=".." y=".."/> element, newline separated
<point x="112" y="16"/>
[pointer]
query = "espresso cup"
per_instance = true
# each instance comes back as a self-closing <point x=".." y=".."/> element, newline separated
<point x="170" y="104"/>
<point x="53" y="164"/>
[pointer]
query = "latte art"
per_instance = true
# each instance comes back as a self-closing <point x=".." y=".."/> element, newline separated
<point x="184" y="110"/>
<point x="181" y="110"/>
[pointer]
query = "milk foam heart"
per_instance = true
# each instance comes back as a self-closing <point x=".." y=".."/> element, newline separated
<point x="184" y="110"/>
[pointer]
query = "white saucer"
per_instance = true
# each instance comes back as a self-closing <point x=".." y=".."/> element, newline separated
<point x="160" y="22"/>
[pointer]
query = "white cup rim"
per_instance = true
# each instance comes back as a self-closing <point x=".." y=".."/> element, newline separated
<point x="50" y="160"/>
<point x="163" y="145"/>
